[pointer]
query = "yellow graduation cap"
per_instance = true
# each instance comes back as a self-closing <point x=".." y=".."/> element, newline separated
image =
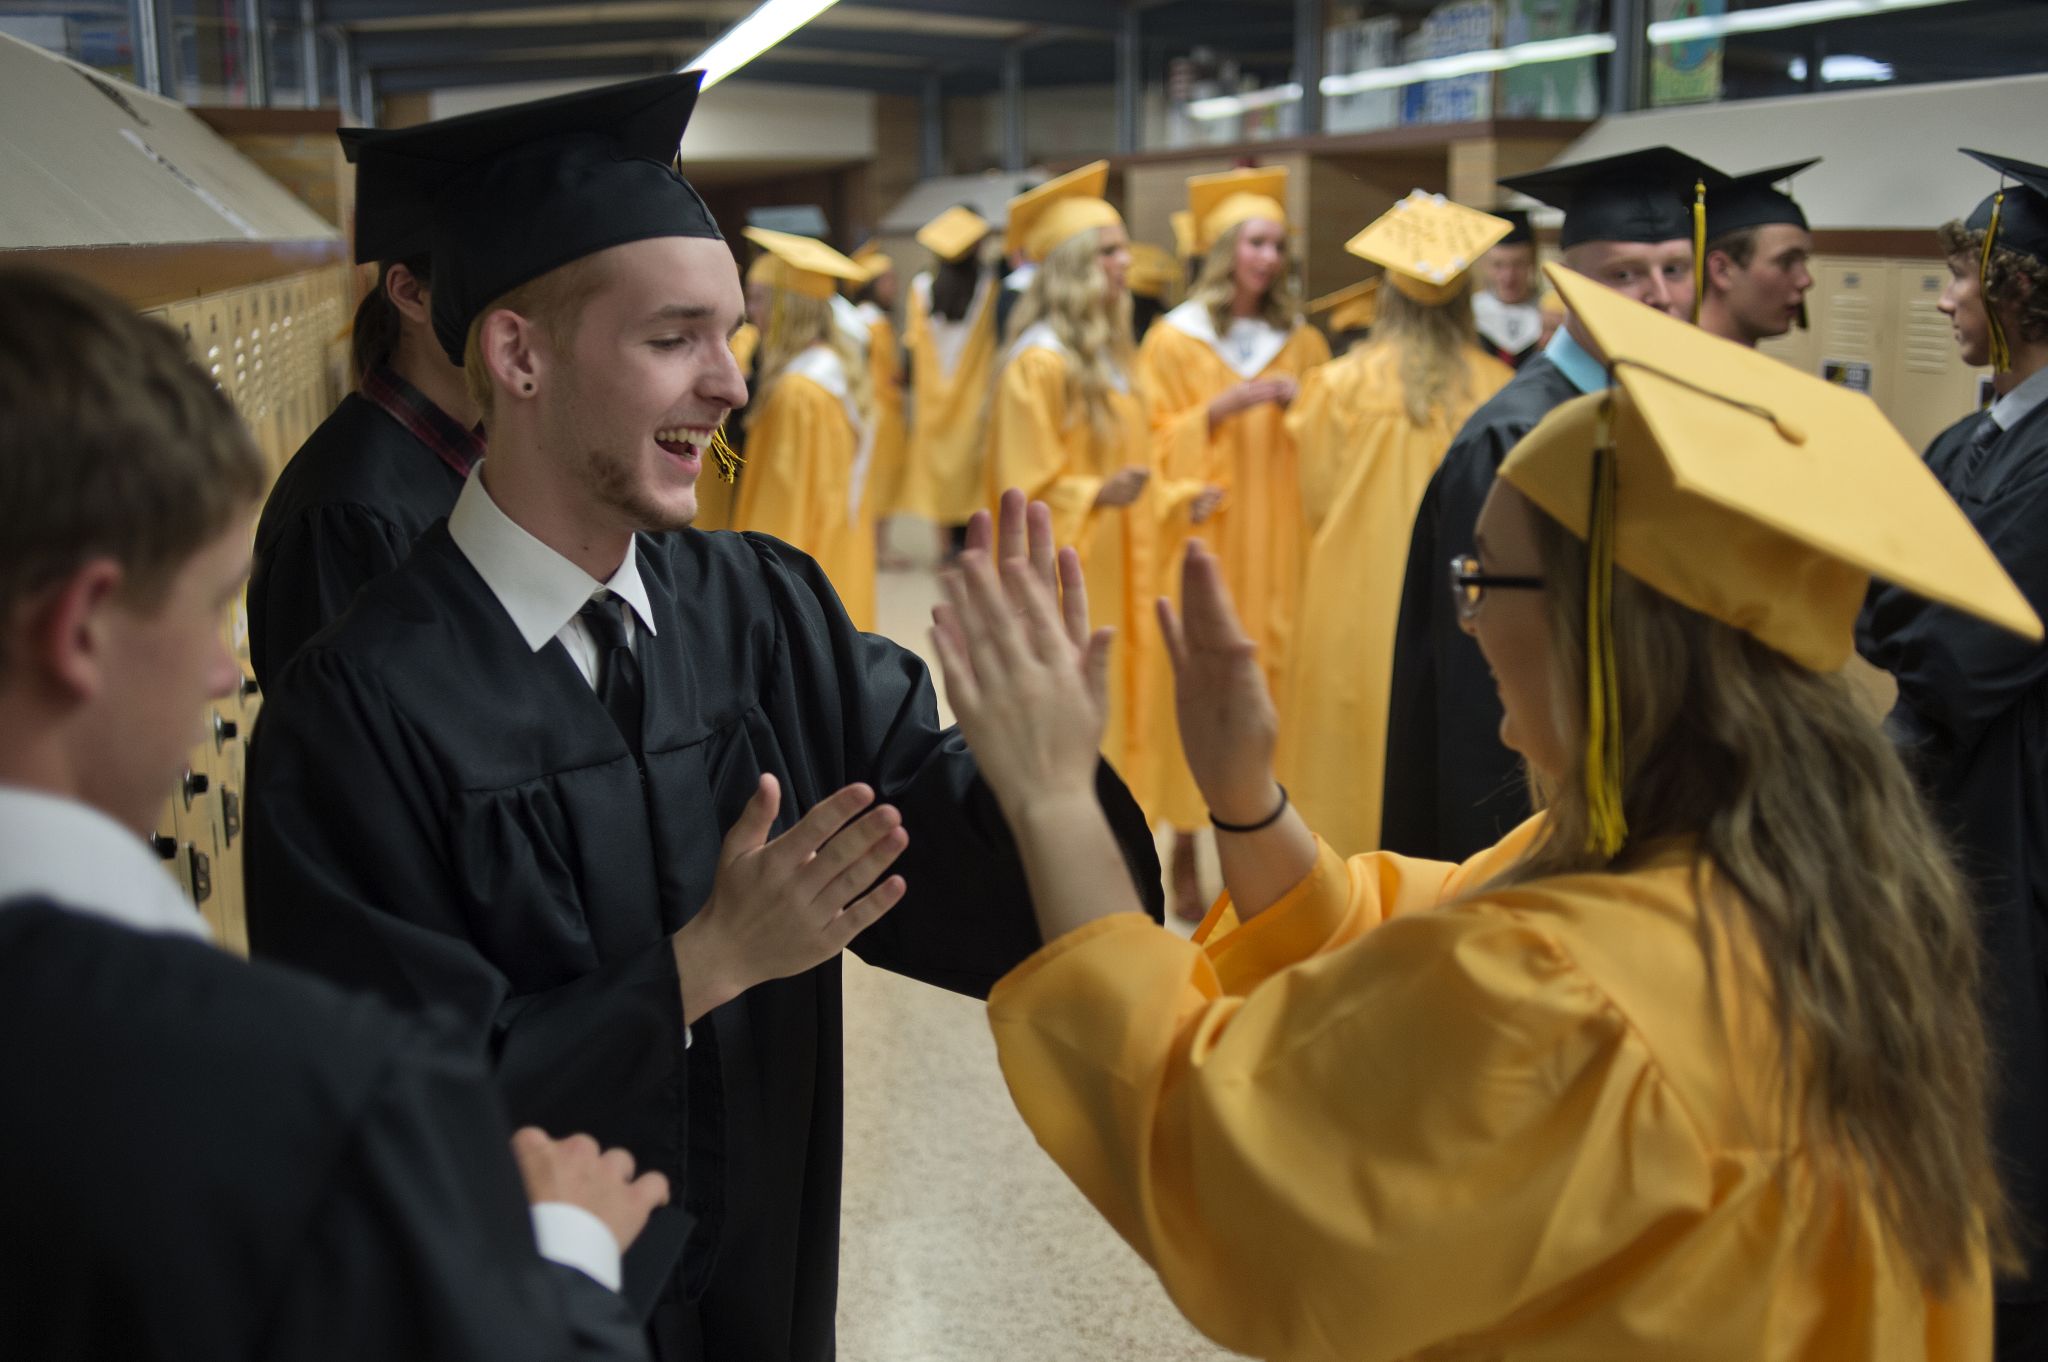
<point x="801" y="265"/>
<point x="1217" y="203"/>
<point x="1153" y="272"/>
<point x="953" y="233"/>
<point x="1352" y="308"/>
<point x="1745" y="489"/>
<point x="1426" y="244"/>
<point x="1046" y="218"/>
<point x="873" y="261"/>
<point x="1184" y="234"/>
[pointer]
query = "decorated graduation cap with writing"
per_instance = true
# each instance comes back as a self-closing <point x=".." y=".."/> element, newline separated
<point x="801" y="265"/>
<point x="2014" y="217"/>
<point x="954" y="233"/>
<point x="1351" y="308"/>
<point x="511" y="194"/>
<point x="1733" y="483"/>
<point x="1045" y="218"/>
<point x="1426" y="243"/>
<point x="1217" y="203"/>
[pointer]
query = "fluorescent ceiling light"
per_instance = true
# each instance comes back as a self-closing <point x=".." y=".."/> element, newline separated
<point x="768" y="25"/>
<point x="1843" y="67"/>
<point x="1432" y="68"/>
<point x="1798" y="15"/>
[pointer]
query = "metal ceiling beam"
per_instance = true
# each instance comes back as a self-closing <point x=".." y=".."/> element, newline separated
<point x="394" y="48"/>
<point x="1096" y="16"/>
<point x="417" y="79"/>
<point x="885" y="80"/>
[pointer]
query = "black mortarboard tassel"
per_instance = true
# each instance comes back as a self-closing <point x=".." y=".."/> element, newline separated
<point x="514" y="193"/>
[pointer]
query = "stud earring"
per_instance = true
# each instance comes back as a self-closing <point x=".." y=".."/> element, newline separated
<point x="529" y="387"/>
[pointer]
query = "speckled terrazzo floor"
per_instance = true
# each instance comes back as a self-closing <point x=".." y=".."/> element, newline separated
<point x="960" y="1240"/>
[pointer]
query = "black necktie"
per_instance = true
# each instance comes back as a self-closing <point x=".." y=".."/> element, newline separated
<point x="618" y="671"/>
<point x="1979" y="449"/>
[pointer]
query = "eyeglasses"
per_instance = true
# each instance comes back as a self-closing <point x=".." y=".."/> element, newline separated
<point x="1469" y="585"/>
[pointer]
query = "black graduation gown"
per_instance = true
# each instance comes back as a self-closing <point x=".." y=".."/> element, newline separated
<point x="447" y="817"/>
<point x="346" y="509"/>
<point x="1451" y="788"/>
<point x="209" y="1160"/>
<point x="1972" y="721"/>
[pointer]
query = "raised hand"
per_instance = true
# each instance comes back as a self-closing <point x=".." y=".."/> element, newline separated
<point x="781" y="907"/>
<point x="1205" y="504"/>
<point x="575" y="1170"/>
<point x="1228" y="725"/>
<point x="1122" y="487"/>
<point x="1028" y="682"/>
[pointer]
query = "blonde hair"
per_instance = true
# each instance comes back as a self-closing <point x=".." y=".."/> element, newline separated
<point x="796" y="323"/>
<point x="1799" y="805"/>
<point x="1436" y="342"/>
<point x="1215" y="287"/>
<point x="554" y="302"/>
<point x="1070" y="295"/>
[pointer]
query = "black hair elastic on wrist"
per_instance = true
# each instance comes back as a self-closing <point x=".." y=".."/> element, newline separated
<point x="1268" y="821"/>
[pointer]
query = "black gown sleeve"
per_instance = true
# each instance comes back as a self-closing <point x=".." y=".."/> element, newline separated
<point x="347" y="813"/>
<point x="1409" y="797"/>
<point x="1958" y="675"/>
<point x="308" y="573"/>
<point x="423" y="1246"/>
<point x="966" y="919"/>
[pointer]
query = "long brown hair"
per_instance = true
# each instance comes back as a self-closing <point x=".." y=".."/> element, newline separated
<point x="1436" y="342"/>
<point x="1215" y="286"/>
<point x="1069" y="294"/>
<point x="373" y="337"/>
<point x="1798" y="804"/>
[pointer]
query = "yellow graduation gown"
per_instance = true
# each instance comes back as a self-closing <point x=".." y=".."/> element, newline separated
<point x="1380" y="1122"/>
<point x="882" y="498"/>
<point x="1258" y="534"/>
<point x="1058" y="456"/>
<point x="1363" y="469"/>
<point x="952" y="365"/>
<point x="715" y="495"/>
<point x="804" y="456"/>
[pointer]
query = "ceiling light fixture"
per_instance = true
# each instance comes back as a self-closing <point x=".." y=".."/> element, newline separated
<point x="768" y="25"/>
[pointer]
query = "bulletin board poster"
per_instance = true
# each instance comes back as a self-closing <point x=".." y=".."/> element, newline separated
<point x="1451" y="29"/>
<point x="1688" y="72"/>
<point x="1550" y="89"/>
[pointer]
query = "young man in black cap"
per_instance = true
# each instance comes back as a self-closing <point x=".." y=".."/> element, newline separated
<point x="1504" y="308"/>
<point x="533" y="772"/>
<point x="1452" y="788"/>
<point x="1755" y="275"/>
<point x="1972" y="712"/>
<point x="208" y="1159"/>
<point x="387" y="463"/>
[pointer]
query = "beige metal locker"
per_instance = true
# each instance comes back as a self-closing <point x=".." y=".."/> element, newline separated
<point x="1934" y="387"/>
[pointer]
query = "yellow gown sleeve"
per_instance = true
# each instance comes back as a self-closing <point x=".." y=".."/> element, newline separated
<point x="1314" y="424"/>
<point x="1184" y="459"/>
<point x="1402" y="1142"/>
<point x="785" y="490"/>
<point x="1029" y="444"/>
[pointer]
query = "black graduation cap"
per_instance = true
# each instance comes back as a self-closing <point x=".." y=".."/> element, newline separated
<point x="2023" y="211"/>
<point x="513" y="193"/>
<point x="1520" y="233"/>
<point x="1743" y="201"/>
<point x="389" y="225"/>
<point x="1637" y="196"/>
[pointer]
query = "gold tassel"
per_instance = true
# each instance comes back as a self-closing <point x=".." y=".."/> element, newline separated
<point x="2001" y="350"/>
<point x="1699" y="247"/>
<point x="725" y="458"/>
<point x="1608" y="826"/>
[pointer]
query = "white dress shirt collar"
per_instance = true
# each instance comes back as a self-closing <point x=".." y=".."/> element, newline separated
<point x="2013" y="408"/>
<point x="76" y="856"/>
<point x="539" y="588"/>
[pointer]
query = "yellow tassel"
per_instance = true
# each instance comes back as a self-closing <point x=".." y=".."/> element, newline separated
<point x="2001" y="350"/>
<point x="1608" y="827"/>
<point x="1699" y="247"/>
<point x="725" y="458"/>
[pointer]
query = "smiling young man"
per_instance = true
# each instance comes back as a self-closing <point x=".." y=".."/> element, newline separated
<point x="208" y="1159"/>
<point x="1758" y="249"/>
<point x="530" y="774"/>
<point x="1452" y="788"/>
<point x="1972" y="712"/>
